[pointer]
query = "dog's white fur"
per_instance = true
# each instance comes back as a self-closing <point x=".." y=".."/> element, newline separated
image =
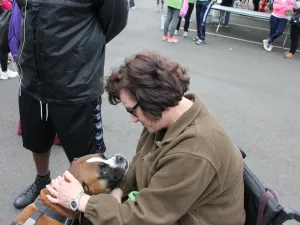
<point x="111" y="162"/>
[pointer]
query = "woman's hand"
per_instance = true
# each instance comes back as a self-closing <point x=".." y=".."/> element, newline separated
<point x="64" y="190"/>
<point x="117" y="193"/>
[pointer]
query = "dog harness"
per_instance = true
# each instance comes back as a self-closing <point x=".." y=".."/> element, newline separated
<point x="45" y="210"/>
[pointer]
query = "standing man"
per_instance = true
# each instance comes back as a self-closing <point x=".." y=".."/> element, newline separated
<point x="61" y="64"/>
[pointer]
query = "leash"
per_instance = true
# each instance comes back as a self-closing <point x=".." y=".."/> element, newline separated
<point x="45" y="210"/>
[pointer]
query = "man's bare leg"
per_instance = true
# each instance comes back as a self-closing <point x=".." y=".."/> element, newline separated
<point x="27" y="197"/>
<point x="41" y="161"/>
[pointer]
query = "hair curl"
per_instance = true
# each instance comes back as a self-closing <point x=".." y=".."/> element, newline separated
<point x="153" y="80"/>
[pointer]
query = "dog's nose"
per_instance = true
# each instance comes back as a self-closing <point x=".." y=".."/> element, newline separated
<point x="119" y="159"/>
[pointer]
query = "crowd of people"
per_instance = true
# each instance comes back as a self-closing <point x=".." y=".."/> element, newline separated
<point x="283" y="11"/>
<point x="186" y="169"/>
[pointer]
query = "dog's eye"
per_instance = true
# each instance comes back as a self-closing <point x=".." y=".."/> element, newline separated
<point x="103" y="169"/>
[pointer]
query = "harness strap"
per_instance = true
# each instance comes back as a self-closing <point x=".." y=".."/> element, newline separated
<point x="42" y="209"/>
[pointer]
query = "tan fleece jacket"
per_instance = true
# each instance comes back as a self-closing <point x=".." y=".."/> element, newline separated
<point x="192" y="176"/>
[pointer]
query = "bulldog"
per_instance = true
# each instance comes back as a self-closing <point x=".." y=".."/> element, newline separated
<point x="96" y="174"/>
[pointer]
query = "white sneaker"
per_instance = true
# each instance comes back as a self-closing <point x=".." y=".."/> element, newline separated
<point x="176" y="32"/>
<point x="267" y="47"/>
<point x="199" y="42"/>
<point x="270" y="47"/>
<point x="185" y="34"/>
<point x="3" y="75"/>
<point x="12" y="74"/>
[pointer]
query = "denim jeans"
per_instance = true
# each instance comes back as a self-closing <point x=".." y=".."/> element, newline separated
<point x="201" y="25"/>
<point x="227" y="17"/>
<point x="277" y="26"/>
<point x="131" y="3"/>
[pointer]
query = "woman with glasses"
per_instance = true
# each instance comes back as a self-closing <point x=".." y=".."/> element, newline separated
<point x="186" y="169"/>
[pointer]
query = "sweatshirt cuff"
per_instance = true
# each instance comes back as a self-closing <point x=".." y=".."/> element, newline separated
<point x="97" y="204"/>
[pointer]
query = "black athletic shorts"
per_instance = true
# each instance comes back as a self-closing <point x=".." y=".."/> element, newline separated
<point x="79" y="126"/>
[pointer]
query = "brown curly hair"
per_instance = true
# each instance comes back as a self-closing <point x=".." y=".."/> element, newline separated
<point x="154" y="81"/>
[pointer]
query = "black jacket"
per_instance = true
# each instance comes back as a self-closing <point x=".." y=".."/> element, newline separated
<point x="61" y="55"/>
<point x="295" y="20"/>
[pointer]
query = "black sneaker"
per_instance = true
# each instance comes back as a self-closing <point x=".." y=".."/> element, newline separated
<point x="31" y="193"/>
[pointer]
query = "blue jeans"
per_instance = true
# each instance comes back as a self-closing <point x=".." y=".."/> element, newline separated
<point x="201" y="25"/>
<point x="131" y="3"/>
<point x="227" y="17"/>
<point x="227" y="14"/>
<point x="277" y="26"/>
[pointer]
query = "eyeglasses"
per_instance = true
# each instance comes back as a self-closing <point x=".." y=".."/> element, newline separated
<point x="132" y="111"/>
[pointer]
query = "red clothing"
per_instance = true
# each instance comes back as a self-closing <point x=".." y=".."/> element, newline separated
<point x="6" y="5"/>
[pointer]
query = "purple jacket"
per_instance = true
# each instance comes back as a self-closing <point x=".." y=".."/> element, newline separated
<point x="14" y="29"/>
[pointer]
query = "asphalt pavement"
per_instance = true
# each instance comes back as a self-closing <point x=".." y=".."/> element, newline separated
<point x="255" y="94"/>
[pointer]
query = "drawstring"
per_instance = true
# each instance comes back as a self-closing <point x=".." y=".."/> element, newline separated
<point x="41" y="108"/>
<point x="46" y="111"/>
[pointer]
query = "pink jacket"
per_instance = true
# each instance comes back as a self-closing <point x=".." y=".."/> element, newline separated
<point x="6" y="5"/>
<point x="280" y="7"/>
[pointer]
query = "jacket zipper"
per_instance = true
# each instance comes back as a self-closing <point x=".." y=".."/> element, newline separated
<point x="36" y="8"/>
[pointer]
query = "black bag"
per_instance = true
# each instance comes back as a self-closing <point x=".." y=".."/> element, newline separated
<point x="4" y="26"/>
<point x="295" y="20"/>
<point x="261" y="204"/>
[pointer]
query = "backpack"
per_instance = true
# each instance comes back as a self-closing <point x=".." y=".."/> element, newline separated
<point x="14" y="30"/>
<point x="295" y="20"/>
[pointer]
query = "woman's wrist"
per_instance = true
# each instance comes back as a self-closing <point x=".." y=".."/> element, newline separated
<point x="83" y="202"/>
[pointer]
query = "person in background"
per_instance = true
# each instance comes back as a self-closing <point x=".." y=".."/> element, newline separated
<point x="5" y="72"/>
<point x="278" y="21"/>
<point x="187" y="19"/>
<point x="162" y="5"/>
<point x="5" y="5"/>
<point x="227" y="3"/>
<point x="256" y="5"/>
<point x="295" y="31"/>
<point x="171" y="21"/>
<point x="201" y="6"/>
<point x="132" y="4"/>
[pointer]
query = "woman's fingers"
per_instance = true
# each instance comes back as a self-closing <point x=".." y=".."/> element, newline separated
<point x="52" y="191"/>
<point x="53" y="200"/>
